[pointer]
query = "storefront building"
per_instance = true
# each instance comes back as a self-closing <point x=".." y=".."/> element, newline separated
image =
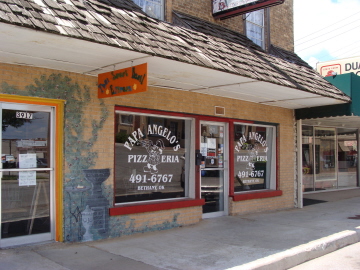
<point x="329" y="137"/>
<point x="117" y="123"/>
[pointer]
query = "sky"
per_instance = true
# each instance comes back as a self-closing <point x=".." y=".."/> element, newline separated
<point x="326" y="29"/>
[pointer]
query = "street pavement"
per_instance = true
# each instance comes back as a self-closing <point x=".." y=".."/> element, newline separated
<point x="273" y="240"/>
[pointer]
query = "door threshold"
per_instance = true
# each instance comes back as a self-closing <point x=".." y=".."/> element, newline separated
<point x="213" y="215"/>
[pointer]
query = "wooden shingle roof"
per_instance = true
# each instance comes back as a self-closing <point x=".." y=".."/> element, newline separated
<point x="122" y="24"/>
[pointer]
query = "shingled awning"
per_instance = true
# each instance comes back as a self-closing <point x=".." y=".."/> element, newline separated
<point x="93" y="37"/>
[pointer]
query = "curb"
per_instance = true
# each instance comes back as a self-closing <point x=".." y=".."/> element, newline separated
<point x="300" y="254"/>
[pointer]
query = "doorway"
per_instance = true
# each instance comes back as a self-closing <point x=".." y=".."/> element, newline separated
<point x="27" y="174"/>
<point x="214" y="168"/>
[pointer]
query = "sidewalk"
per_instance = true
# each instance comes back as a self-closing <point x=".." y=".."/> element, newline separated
<point x="276" y="240"/>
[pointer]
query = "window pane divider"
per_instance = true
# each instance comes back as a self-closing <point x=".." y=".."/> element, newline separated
<point x="28" y="169"/>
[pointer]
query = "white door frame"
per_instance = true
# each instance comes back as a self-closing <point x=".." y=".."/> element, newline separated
<point x="35" y="238"/>
<point x="225" y="169"/>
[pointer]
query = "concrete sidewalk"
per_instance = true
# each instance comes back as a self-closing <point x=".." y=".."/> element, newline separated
<point x="276" y="240"/>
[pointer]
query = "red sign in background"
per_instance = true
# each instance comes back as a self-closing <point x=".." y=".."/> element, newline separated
<point x="125" y="81"/>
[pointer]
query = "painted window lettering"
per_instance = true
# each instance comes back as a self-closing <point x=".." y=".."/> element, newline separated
<point x="252" y="147"/>
<point x="152" y="130"/>
<point x="137" y="158"/>
<point x="151" y="157"/>
<point x="155" y="178"/>
<point x="154" y="152"/>
<point x="242" y="158"/>
<point x="144" y="158"/>
<point x="259" y="173"/>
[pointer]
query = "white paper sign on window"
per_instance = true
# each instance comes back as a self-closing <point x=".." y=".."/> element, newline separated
<point x="27" y="178"/>
<point x="27" y="161"/>
<point x="203" y="149"/>
<point x="211" y="143"/>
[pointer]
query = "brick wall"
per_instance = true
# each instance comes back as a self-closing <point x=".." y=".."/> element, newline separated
<point x="282" y="25"/>
<point x="170" y="100"/>
<point x="281" y="19"/>
<point x="203" y="10"/>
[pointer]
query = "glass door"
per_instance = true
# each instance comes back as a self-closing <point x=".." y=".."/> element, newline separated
<point x="213" y="168"/>
<point x="26" y="174"/>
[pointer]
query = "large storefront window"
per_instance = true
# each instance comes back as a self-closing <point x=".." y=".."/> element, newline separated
<point x="254" y="157"/>
<point x="329" y="158"/>
<point x="151" y="157"/>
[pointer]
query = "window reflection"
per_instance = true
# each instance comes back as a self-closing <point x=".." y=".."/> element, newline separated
<point x="329" y="158"/>
<point x="325" y="158"/>
<point x="153" y="8"/>
<point x="151" y="157"/>
<point x="255" y="27"/>
<point x="25" y="140"/>
<point x="253" y="147"/>
<point x="308" y="158"/>
<point x="348" y="158"/>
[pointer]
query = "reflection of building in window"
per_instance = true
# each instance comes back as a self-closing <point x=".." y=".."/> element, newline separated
<point x="153" y="8"/>
<point x="126" y="119"/>
<point x="329" y="158"/>
<point x="152" y="157"/>
<point x="12" y="148"/>
<point x="255" y="27"/>
<point x="254" y="157"/>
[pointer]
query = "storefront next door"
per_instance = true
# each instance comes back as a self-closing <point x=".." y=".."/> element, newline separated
<point x="26" y="174"/>
<point x="214" y="168"/>
<point x="329" y="158"/>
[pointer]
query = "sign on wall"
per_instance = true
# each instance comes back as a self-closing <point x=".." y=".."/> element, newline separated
<point x="229" y="8"/>
<point x="125" y="81"/>
<point x="340" y="66"/>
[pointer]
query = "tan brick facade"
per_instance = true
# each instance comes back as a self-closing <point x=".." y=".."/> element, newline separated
<point x="198" y="8"/>
<point x="186" y="216"/>
<point x="281" y="19"/>
<point x="282" y="25"/>
<point x="176" y="101"/>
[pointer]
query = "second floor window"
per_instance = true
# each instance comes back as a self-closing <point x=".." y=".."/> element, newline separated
<point x="153" y="8"/>
<point x="255" y="27"/>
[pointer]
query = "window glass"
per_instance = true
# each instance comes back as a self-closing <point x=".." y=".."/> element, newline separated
<point x="255" y="27"/>
<point x="325" y="158"/>
<point x="253" y="157"/>
<point x="348" y="157"/>
<point x="151" y="157"/>
<point x="153" y="8"/>
<point x="308" y="167"/>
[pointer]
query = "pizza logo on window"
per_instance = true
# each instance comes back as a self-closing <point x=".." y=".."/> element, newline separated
<point x="154" y="157"/>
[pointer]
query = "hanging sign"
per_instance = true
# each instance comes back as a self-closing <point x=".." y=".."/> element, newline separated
<point x="125" y="81"/>
<point x="228" y="8"/>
